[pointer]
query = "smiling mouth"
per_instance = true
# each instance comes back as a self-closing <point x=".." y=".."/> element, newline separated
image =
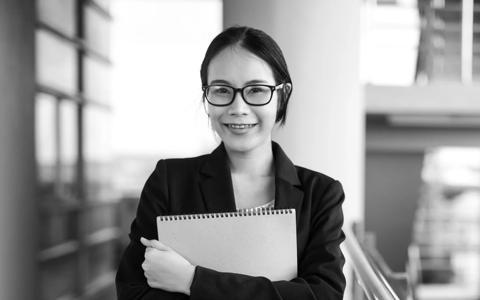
<point x="240" y="126"/>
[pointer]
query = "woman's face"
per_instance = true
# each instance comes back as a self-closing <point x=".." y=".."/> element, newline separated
<point x="242" y="127"/>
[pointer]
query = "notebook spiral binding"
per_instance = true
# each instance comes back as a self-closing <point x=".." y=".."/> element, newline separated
<point x="259" y="212"/>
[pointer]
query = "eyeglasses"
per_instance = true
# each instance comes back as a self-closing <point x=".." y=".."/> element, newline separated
<point x="253" y="94"/>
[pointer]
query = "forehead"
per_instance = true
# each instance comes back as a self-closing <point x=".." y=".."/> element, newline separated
<point x="237" y="66"/>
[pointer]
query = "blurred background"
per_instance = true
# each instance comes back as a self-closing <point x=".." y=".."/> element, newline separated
<point x="386" y="99"/>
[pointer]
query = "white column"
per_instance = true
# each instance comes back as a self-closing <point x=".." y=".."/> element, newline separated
<point x="325" y="122"/>
<point x="18" y="244"/>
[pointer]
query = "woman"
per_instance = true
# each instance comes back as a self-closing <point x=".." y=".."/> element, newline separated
<point x="246" y="87"/>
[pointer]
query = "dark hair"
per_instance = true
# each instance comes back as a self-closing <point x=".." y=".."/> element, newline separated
<point x="260" y="44"/>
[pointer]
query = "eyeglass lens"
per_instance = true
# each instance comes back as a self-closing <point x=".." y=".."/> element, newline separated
<point x="253" y="94"/>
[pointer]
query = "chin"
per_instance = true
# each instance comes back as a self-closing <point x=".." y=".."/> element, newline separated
<point x="238" y="148"/>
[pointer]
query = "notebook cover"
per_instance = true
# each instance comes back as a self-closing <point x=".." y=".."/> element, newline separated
<point x="257" y="243"/>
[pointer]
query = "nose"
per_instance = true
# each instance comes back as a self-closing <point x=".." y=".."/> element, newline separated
<point x="238" y="106"/>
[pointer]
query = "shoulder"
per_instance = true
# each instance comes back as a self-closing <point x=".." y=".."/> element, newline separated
<point x="311" y="182"/>
<point x="308" y="176"/>
<point x="319" y="185"/>
<point x="186" y="162"/>
<point x="177" y="166"/>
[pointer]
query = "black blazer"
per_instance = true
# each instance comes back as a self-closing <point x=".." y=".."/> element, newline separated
<point x="203" y="185"/>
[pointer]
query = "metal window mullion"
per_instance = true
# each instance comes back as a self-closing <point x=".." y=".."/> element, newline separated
<point x="467" y="40"/>
<point x="429" y="54"/>
<point x="58" y="161"/>
<point x="82" y="254"/>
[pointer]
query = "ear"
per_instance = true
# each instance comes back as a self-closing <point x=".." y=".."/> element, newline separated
<point x="287" y="89"/>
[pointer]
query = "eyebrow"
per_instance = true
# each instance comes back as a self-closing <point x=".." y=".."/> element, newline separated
<point x="253" y="81"/>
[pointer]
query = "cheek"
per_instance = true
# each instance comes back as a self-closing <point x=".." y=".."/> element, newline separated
<point x="271" y="114"/>
<point x="215" y="117"/>
<point x="272" y="117"/>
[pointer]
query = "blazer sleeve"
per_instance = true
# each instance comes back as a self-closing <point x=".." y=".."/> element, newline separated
<point x="130" y="281"/>
<point x="320" y="274"/>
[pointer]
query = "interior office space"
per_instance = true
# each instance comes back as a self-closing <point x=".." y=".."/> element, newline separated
<point x="391" y="85"/>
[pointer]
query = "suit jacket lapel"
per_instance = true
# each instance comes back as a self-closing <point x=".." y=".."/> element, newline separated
<point x="288" y="193"/>
<point x="216" y="182"/>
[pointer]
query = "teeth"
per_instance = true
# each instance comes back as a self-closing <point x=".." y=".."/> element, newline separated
<point x="240" y="126"/>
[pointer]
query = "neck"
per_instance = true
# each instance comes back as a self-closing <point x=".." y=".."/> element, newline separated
<point x="258" y="161"/>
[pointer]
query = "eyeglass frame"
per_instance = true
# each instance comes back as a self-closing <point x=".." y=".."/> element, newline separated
<point x="240" y="90"/>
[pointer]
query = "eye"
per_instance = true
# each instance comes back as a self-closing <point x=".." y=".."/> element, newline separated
<point x="255" y="90"/>
<point x="220" y="90"/>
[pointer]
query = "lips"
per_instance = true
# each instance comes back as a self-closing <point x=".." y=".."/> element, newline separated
<point x="239" y="126"/>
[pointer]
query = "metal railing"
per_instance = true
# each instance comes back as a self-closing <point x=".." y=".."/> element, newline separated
<point x="374" y="277"/>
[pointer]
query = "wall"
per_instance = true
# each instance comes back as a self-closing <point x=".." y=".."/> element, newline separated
<point x="325" y="123"/>
<point x="392" y="188"/>
<point x="17" y="176"/>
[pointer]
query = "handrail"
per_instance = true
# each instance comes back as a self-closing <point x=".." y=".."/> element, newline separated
<point x="372" y="273"/>
<point x="396" y="282"/>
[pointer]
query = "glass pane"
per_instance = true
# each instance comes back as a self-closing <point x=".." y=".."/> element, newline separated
<point x="102" y="260"/>
<point x="68" y="146"/>
<point x="100" y="217"/>
<point x="60" y="14"/>
<point x="97" y="85"/>
<point x="144" y="42"/>
<point x="476" y="56"/>
<point x="476" y="67"/>
<point x="56" y="228"/>
<point x="105" y="4"/>
<point x="97" y="31"/>
<point x="97" y="128"/>
<point x="58" y="278"/>
<point x="56" y="67"/>
<point x="46" y="141"/>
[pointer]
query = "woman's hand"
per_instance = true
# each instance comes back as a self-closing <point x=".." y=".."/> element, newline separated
<point x="166" y="269"/>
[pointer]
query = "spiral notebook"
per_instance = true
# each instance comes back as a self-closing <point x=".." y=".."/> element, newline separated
<point x="259" y="243"/>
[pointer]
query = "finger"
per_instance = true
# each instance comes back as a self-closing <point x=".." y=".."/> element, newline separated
<point x="150" y="253"/>
<point x="145" y="242"/>
<point x="158" y="245"/>
<point x="154" y="244"/>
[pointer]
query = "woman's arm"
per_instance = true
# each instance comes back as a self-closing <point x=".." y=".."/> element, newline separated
<point x="130" y="280"/>
<point x="320" y="273"/>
